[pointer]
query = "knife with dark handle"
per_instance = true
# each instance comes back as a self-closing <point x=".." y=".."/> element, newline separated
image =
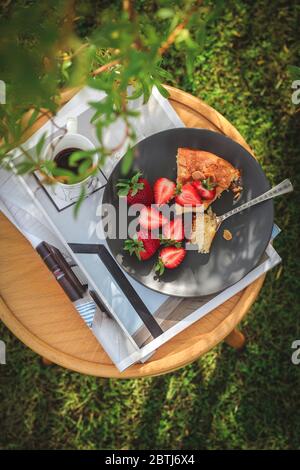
<point x="122" y="281"/>
<point x="60" y="275"/>
<point x="67" y="269"/>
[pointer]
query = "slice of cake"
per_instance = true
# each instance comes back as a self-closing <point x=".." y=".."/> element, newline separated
<point x="204" y="228"/>
<point x="194" y="165"/>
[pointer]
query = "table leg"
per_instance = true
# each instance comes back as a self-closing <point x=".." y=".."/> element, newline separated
<point x="235" y="339"/>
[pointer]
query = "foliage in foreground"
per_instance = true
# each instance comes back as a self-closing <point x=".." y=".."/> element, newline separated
<point x="41" y="52"/>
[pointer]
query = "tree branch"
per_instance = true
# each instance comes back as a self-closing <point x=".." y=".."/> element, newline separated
<point x="128" y="7"/>
<point x="172" y="37"/>
<point x="105" y="67"/>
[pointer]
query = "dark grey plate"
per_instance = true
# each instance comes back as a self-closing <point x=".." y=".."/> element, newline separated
<point x="228" y="261"/>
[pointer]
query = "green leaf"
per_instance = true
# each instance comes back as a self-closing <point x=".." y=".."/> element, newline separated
<point x="33" y="118"/>
<point x="99" y="131"/>
<point x="64" y="68"/>
<point x="162" y="90"/>
<point x="123" y="192"/>
<point x="40" y="144"/>
<point x="201" y="35"/>
<point x="165" y="13"/>
<point x="294" y="72"/>
<point x="169" y="242"/>
<point x="159" y="267"/>
<point x="17" y="131"/>
<point x="79" y="201"/>
<point x="25" y="167"/>
<point x="136" y="188"/>
<point x="126" y="162"/>
<point x="216" y="12"/>
<point x="85" y="166"/>
<point x="134" y="246"/>
<point x="79" y="155"/>
<point x="48" y="165"/>
<point x="138" y="91"/>
<point x="136" y="177"/>
<point x="147" y="88"/>
<point x="175" y="21"/>
<point x="165" y="74"/>
<point x="132" y="113"/>
<point x="182" y="36"/>
<point x="63" y="172"/>
<point x="190" y="63"/>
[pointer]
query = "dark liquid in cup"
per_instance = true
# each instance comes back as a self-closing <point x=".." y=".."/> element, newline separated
<point x="62" y="160"/>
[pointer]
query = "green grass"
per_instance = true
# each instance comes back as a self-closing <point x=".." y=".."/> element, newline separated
<point x="225" y="400"/>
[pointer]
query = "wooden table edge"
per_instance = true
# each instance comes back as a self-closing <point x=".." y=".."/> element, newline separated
<point x="137" y="370"/>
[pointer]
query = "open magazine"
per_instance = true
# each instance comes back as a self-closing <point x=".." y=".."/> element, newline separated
<point x="129" y="320"/>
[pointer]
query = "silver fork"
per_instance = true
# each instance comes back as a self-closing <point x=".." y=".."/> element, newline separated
<point x="281" y="188"/>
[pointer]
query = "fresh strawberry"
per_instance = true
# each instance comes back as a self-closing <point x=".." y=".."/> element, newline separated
<point x="143" y="246"/>
<point x="206" y="188"/>
<point x="170" y="257"/>
<point x="187" y="195"/>
<point x="137" y="190"/>
<point x="174" y="230"/>
<point x="150" y="218"/>
<point x="164" y="191"/>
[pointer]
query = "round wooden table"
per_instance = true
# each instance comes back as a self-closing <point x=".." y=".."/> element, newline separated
<point x="36" y="310"/>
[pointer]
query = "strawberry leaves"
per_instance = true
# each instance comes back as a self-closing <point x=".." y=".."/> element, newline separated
<point x="208" y="183"/>
<point x="134" y="246"/>
<point x="169" y="242"/>
<point x="159" y="267"/>
<point x="132" y="185"/>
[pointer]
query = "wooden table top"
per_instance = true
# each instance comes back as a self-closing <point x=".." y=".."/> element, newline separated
<point x="36" y="310"/>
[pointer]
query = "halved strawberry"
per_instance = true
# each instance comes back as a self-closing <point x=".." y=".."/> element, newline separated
<point x="170" y="257"/>
<point x="143" y="246"/>
<point x="137" y="190"/>
<point x="174" y="230"/>
<point x="206" y="188"/>
<point x="150" y="218"/>
<point x="187" y="195"/>
<point x="164" y="191"/>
